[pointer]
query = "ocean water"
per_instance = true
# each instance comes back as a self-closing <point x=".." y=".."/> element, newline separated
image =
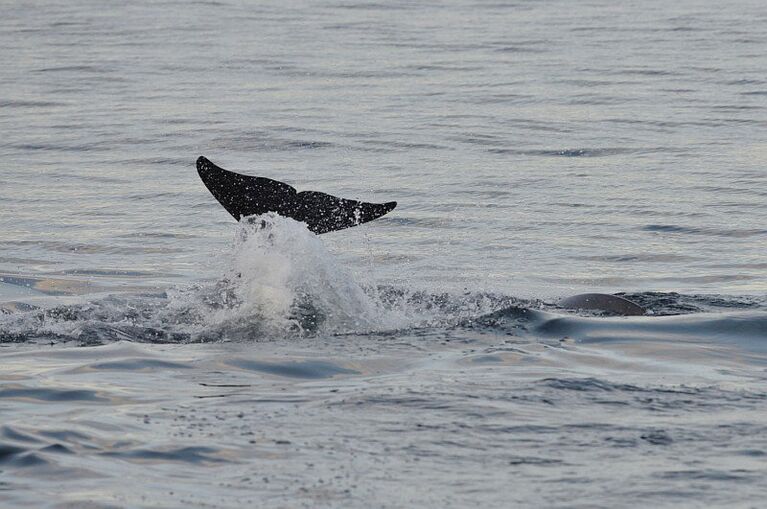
<point x="155" y="353"/>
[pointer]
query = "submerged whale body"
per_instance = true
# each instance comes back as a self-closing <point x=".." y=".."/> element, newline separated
<point x="603" y="302"/>
<point x="243" y="195"/>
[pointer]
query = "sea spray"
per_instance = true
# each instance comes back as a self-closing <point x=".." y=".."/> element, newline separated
<point x="282" y="280"/>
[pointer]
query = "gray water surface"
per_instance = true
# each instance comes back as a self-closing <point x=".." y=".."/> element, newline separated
<point x="154" y="353"/>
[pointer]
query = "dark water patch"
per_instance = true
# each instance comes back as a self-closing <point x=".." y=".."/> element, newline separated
<point x="75" y="69"/>
<point x="299" y="369"/>
<point x="89" y="178"/>
<point x="441" y="67"/>
<point x="737" y="107"/>
<point x="64" y="435"/>
<point x="57" y="449"/>
<point x="22" y="393"/>
<point x="374" y="6"/>
<point x="480" y="139"/>
<point x="520" y="49"/>
<point x="620" y="442"/>
<point x="210" y="3"/>
<point x="18" y="281"/>
<point x="26" y="261"/>
<point x="672" y="303"/>
<point x="487" y="359"/>
<point x="420" y="222"/>
<point x="427" y="402"/>
<point x="588" y="385"/>
<point x="17" y="436"/>
<point x="182" y="162"/>
<point x="709" y="475"/>
<point x="753" y="453"/>
<point x="401" y="145"/>
<point x="650" y="398"/>
<point x="657" y="437"/>
<point x="87" y="249"/>
<point x="194" y="455"/>
<point x="304" y="145"/>
<point x="686" y="29"/>
<point x="638" y="257"/>
<point x="108" y="272"/>
<point x="14" y="103"/>
<point x="645" y="72"/>
<point x="746" y="330"/>
<point x="276" y="401"/>
<point x="595" y="99"/>
<point x="481" y="193"/>
<point x="154" y="196"/>
<point x="744" y="81"/>
<point x="692" y="230"/>
<point x="539" y="126"/>
<point x="157" y="235"/>
<point x="92" y="146"/>
<point x="9" y="451"/>
<point x="268" y="142"/>
<point x="227" y="386"/>
<point x="485" y="98"/>
<point x="578" y="152"/>
<point x="136" y="365"/>
<point x="510" y="319"/>
<point x="534" y="460"/>
<point x="57" y="24"/>
<point x="19" y="457"/>
<point x="26" y="460"/>
<point x="666" y="124"/>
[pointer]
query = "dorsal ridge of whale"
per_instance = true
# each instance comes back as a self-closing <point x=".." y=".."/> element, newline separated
<point x="245" y="195"/>
<point x="603" y="302"/>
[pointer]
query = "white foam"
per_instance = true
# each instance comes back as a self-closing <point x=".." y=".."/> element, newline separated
<point x="281" y="278"/>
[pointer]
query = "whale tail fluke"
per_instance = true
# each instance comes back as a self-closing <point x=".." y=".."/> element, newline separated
<point x="243" y="195"/>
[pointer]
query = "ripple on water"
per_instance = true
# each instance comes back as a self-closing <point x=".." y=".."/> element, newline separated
<point x="192" y="455"/>
<point x="135" y="365"/>
<point x="309" y="369"/>
<point x="694" y="230"/>
<point x="54" y="395"/>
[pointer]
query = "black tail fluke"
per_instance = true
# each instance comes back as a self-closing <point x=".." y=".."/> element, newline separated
<point x="243" y="195"/>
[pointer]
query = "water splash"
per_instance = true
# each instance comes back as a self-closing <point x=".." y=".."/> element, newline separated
<point x="278" y="281"/>
<point x="282" y="280"/>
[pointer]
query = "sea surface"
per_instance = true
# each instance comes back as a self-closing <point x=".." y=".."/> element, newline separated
<point x="155" y="353"/>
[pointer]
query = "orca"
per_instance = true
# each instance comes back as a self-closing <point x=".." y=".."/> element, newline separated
<point x="243" y="195"/>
